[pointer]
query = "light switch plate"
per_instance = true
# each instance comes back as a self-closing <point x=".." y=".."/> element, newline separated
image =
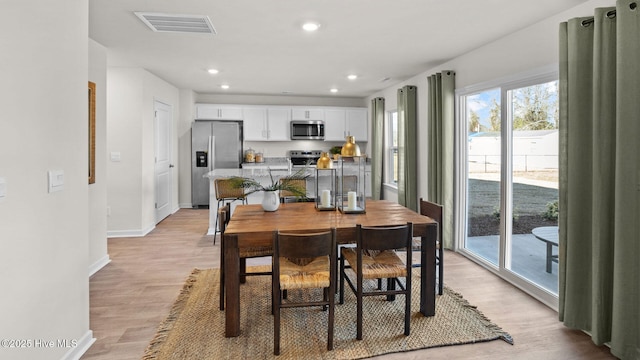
<point x="56" y="180"/>
<point x="115" y="156"/>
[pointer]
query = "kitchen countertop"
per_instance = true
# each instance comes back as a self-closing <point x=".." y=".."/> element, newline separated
<point x="274" y="163"/>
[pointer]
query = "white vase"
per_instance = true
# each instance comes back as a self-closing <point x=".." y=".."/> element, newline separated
<point x="270" y="201"/>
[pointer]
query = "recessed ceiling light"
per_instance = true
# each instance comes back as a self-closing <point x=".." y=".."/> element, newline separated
<point x="213" y="71"/>
<point x="352" y="77"/>
<point x="334" y="90"/>
<point x="310" y="26"/>
<point x="225" y="86"/>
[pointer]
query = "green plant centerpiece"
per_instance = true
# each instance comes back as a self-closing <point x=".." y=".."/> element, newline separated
<point x="293" y="185"/>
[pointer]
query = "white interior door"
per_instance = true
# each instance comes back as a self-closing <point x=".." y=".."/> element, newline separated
<point x="163" y="164"/>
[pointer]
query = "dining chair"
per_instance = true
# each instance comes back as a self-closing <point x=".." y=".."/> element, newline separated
<point x="434" y="211"/>
<point x="286" y="195"/>
<point x="303" y="261"/>
<point x="375" y="257"/>
<point x="226" y="193"/>
<point x="224" y="214"/>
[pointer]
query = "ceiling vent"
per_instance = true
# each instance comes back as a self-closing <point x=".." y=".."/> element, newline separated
<point x="160" y="22"/>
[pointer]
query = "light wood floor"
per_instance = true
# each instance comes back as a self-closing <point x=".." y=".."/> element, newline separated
<point x="132" y="295"/>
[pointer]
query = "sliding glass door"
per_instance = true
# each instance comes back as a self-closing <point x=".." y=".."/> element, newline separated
<point x="484" y="163"/>
<point x="509" y="158"/>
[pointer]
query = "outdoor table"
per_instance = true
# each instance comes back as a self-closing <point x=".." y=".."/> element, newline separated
<point x="548" y="234"/>
<point x="251" y="226"/>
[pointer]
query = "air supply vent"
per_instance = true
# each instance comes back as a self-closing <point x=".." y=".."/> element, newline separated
<point x="160" y="22"/>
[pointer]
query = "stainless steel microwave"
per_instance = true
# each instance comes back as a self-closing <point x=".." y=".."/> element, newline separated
<point x="307" y="130"/>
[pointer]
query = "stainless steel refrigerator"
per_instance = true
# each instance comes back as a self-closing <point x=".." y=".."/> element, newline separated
<point x="214" y="145"/>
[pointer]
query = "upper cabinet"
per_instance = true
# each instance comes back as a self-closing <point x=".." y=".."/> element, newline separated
<point x="218" y="112"/>
<point x="279" y="120"/>
<point x="266" y="123"/>
<point x="302" y="113"/>
<point x="341" y="122"/>
<point x="273" y="123"/>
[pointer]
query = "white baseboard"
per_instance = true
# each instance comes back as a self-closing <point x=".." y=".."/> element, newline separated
<point x="83" y="345"/>
<point x="185" y="206"/>
<point x="129" y="233"/>
<point x="99" y="265"/>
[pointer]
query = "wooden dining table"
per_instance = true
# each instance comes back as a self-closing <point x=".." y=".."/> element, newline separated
<point x="251" y="226"/>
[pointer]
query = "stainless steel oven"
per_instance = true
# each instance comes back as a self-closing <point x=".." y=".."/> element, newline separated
<point x="307" y="130"/>
<point x="299" y="158"/>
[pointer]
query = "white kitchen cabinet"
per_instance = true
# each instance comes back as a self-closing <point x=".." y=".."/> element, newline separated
<point x="356" y="124"/>
<point x="279" y="120"/>
<point x="254" y="125"/>
<point x="266" y="124"/>
<point x="218" y="112"/>
<point x="299" y="113"/>
<point x="340" y="123"/>
<point x="334" y="125"/>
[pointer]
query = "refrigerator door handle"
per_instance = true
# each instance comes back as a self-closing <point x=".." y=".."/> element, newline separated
<point x="211" y="149"/>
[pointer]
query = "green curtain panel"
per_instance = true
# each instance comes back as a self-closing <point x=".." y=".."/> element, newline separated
<point x="441" y="105"/>
<point x="377" y="147"/>
<point x="599" y="271"/>
<point x="407" y="147"/>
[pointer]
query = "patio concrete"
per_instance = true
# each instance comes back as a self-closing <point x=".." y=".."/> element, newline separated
<point x="528" y="257"/>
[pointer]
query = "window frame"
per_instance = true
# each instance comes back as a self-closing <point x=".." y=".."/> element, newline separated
<point x="506" y="85"/>
<point x="391" y="167"/>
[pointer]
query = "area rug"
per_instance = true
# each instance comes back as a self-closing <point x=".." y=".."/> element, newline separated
<point x="194" y="329"/>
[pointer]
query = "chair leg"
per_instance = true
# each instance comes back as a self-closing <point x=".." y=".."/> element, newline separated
<point x="243" y="270"/>
<point x="276" y="322"/>
<point x="440" y="270"/>
<point x="332" y="309"/>
<point x="215" y="227"/>
<point x="407" y="309"/>
<point x="391" y="285"/>
<point x="341" y="299"/>
<point x="359" y="315"/>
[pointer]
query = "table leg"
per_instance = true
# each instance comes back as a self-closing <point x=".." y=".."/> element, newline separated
<point x="549" y="256"/>
<point x="232" y="284"/>
<point x="428" y="271"/>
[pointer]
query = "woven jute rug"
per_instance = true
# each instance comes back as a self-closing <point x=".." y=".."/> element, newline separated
<point x="194" y="329"/>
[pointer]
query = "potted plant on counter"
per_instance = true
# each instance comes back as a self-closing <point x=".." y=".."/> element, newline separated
<point x="294" y="184"/>
<point x="335" y="151"/>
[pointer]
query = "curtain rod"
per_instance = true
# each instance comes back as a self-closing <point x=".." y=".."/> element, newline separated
<point x="610" y="14"/>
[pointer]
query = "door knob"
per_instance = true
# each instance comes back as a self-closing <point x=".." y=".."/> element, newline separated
<point x="170" y="165"/>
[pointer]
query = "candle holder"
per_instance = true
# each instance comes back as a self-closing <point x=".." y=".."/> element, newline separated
<point x="350" y="181"/>
<point x="325" y="189"/>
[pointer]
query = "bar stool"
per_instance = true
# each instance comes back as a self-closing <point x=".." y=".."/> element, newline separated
<point x="226" y="193"/>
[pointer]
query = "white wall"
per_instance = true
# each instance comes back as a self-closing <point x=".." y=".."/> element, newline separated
<point x="131" y="93"/>
<point x="98" y="256"/>
<point x="184" y="146"/>
<point x="531" y="48"/>
<point x="44" y="236"/>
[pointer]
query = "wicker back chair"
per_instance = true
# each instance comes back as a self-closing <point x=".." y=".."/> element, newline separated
<point x="226" y="193"/>
<point x="303" y="261"/>
<point x="285" y="194"/>
<point x="373" y="258"/>
<point x="434" y="211"/>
